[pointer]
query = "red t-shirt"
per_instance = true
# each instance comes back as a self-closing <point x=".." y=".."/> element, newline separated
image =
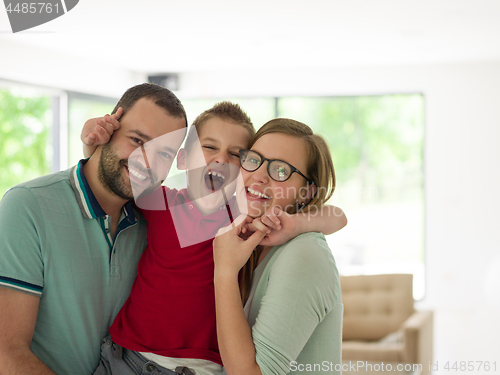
<point x="171" y="308"/>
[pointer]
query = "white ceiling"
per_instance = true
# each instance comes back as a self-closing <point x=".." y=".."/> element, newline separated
<point x="202" y="35"/>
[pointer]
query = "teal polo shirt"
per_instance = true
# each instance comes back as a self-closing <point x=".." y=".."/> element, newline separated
<point x="56" y="243"/>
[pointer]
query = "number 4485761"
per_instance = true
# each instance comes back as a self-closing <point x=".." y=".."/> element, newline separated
<point x="470" y="366"/>
<point x="33" y="8"/>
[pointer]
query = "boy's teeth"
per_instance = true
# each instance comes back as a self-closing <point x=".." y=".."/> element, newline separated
<point x="217" y="174"/>
<point x="134" y="173"/>
<point x="253" y="192"/>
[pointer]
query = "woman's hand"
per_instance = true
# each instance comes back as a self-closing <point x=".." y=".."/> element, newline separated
<point x="98" y="131"/>
<point x="231" y="252"/>
<point x="283" y="226"/>
<point x="233" y="332"/>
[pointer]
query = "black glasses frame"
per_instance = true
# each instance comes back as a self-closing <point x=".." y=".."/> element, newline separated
<point x="269" y="161"/>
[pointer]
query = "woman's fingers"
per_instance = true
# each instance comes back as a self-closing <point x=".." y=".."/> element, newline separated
<point x="246" y="225"/>
<point x="266" y="220"/>
<point x="270" y="218"/>
<point x="258" y="225"/>
<point x="254" y="240"/>
<point x="231" y="251"/>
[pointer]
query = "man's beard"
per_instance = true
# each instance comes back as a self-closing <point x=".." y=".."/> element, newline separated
<point x="110" y="173"/>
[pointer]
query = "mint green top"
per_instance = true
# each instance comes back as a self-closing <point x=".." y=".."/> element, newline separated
<point x="295" y="309"/>
<point x="56" y="244"/>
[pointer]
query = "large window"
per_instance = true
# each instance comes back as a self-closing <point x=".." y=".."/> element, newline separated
<point x="35" y="138"/>
<point x="376" y="144"/>
<point x="377" y="149"/>
<point x="25" y="135"/>
<point x="81" y="108"/>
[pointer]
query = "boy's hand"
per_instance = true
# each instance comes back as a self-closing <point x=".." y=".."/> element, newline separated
<point x="98" y="131"/>
<point x="283" y="226"/>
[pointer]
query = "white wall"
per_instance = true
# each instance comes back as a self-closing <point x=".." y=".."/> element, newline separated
<point x="462" y="181"/>
<point x="52" y="69"/>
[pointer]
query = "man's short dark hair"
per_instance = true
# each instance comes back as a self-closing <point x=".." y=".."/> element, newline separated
<point x="159" y="95"/>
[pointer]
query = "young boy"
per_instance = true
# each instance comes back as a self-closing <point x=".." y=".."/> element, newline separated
<point x="168" y="322"/>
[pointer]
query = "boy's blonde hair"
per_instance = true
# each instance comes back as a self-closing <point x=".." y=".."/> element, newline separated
<point x="224" y="110"/>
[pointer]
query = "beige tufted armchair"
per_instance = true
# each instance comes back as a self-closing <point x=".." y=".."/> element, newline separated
<point x="380" y="323"/>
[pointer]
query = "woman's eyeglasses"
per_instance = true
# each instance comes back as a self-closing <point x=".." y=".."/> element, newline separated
<point x="278" y="170"/>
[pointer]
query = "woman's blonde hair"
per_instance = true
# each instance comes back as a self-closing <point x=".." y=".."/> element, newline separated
<point x="319" y="170"/>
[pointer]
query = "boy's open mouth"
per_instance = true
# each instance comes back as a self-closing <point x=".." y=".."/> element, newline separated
<point x="214" y="180"/>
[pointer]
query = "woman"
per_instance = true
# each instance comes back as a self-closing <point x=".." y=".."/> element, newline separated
<point x="292" y="315"/>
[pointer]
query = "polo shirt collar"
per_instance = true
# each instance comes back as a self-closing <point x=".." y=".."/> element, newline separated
<point x="87" y="201"/>
<point x="189" y="219"/>
<point x="221" y="215"/>
<point x="190" y="224"/>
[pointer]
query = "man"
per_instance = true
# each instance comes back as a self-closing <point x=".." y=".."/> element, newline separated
<point x="71" y="241"/>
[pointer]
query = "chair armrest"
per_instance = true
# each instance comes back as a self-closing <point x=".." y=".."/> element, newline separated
<point x="418" y="320"/>
<point x="418" y="338"/>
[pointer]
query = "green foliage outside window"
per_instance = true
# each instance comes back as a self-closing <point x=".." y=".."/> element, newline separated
<point x="25" y="151"/>
<point x="376" y="141"/>
<point x="377" y="149"/>
<point x="80" y="110"/>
